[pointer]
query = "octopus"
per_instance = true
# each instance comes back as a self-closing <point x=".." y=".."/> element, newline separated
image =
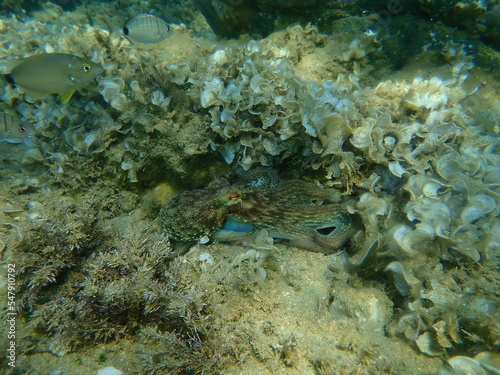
<point x="306" y="215"/>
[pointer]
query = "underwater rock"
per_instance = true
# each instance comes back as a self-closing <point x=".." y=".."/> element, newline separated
<point x="489" y="26"/>
<point x="288" y="3"/>
<point x="370" y="306"/>
<point x="230" y="19"/>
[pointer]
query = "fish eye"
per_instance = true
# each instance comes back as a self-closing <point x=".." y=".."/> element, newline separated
<point x="86" y="68"/>
<point x="21" y="128"/>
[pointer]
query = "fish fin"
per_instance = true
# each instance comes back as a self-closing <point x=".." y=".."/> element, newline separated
<point x="12" y="140"/>
<point x="128" y="39"/>
<point x="34" y="94"/>
<point x="8" y="78"/>
<point x="66" y="96"/>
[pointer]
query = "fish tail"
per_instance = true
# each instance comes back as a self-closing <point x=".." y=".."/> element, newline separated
<point x="8" y="77"/>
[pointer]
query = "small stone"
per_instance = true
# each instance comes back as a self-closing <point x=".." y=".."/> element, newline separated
<point x="110" y="370"/>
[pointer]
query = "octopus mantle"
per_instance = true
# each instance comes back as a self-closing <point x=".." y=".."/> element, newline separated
<point x="304" y="214"/>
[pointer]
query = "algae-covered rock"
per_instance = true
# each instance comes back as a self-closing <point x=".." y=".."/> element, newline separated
<point x="489" y="26"/>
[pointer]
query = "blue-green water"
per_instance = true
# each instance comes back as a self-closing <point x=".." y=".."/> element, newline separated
<point x="392" y="106"/>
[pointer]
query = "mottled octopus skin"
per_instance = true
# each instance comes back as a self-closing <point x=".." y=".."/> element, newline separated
<point x="194" y="214"/>
<point x="293" y="210"/>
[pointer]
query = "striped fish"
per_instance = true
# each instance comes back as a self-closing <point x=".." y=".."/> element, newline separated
<point x="147" y="29"/>
<point x="13" y="130"/>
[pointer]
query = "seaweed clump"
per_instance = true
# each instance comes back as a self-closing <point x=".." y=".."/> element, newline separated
<point x="84" y="281"/>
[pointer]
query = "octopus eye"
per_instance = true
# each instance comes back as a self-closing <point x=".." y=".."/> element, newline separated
<point x="233" y="196"/>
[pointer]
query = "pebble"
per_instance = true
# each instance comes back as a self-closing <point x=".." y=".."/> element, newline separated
<point x="109" y="371"/>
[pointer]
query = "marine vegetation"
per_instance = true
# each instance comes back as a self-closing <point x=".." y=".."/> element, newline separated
<point x="80" y="284"/>
<point x="411" y="143"/>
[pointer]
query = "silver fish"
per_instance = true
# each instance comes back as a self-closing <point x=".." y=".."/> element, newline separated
<point x="147" y="29"/>
<point x="13" y="130"/>
<point x="54" y="73"/>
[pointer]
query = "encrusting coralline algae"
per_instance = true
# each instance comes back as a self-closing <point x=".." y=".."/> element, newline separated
<point x="415" y="151"/>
